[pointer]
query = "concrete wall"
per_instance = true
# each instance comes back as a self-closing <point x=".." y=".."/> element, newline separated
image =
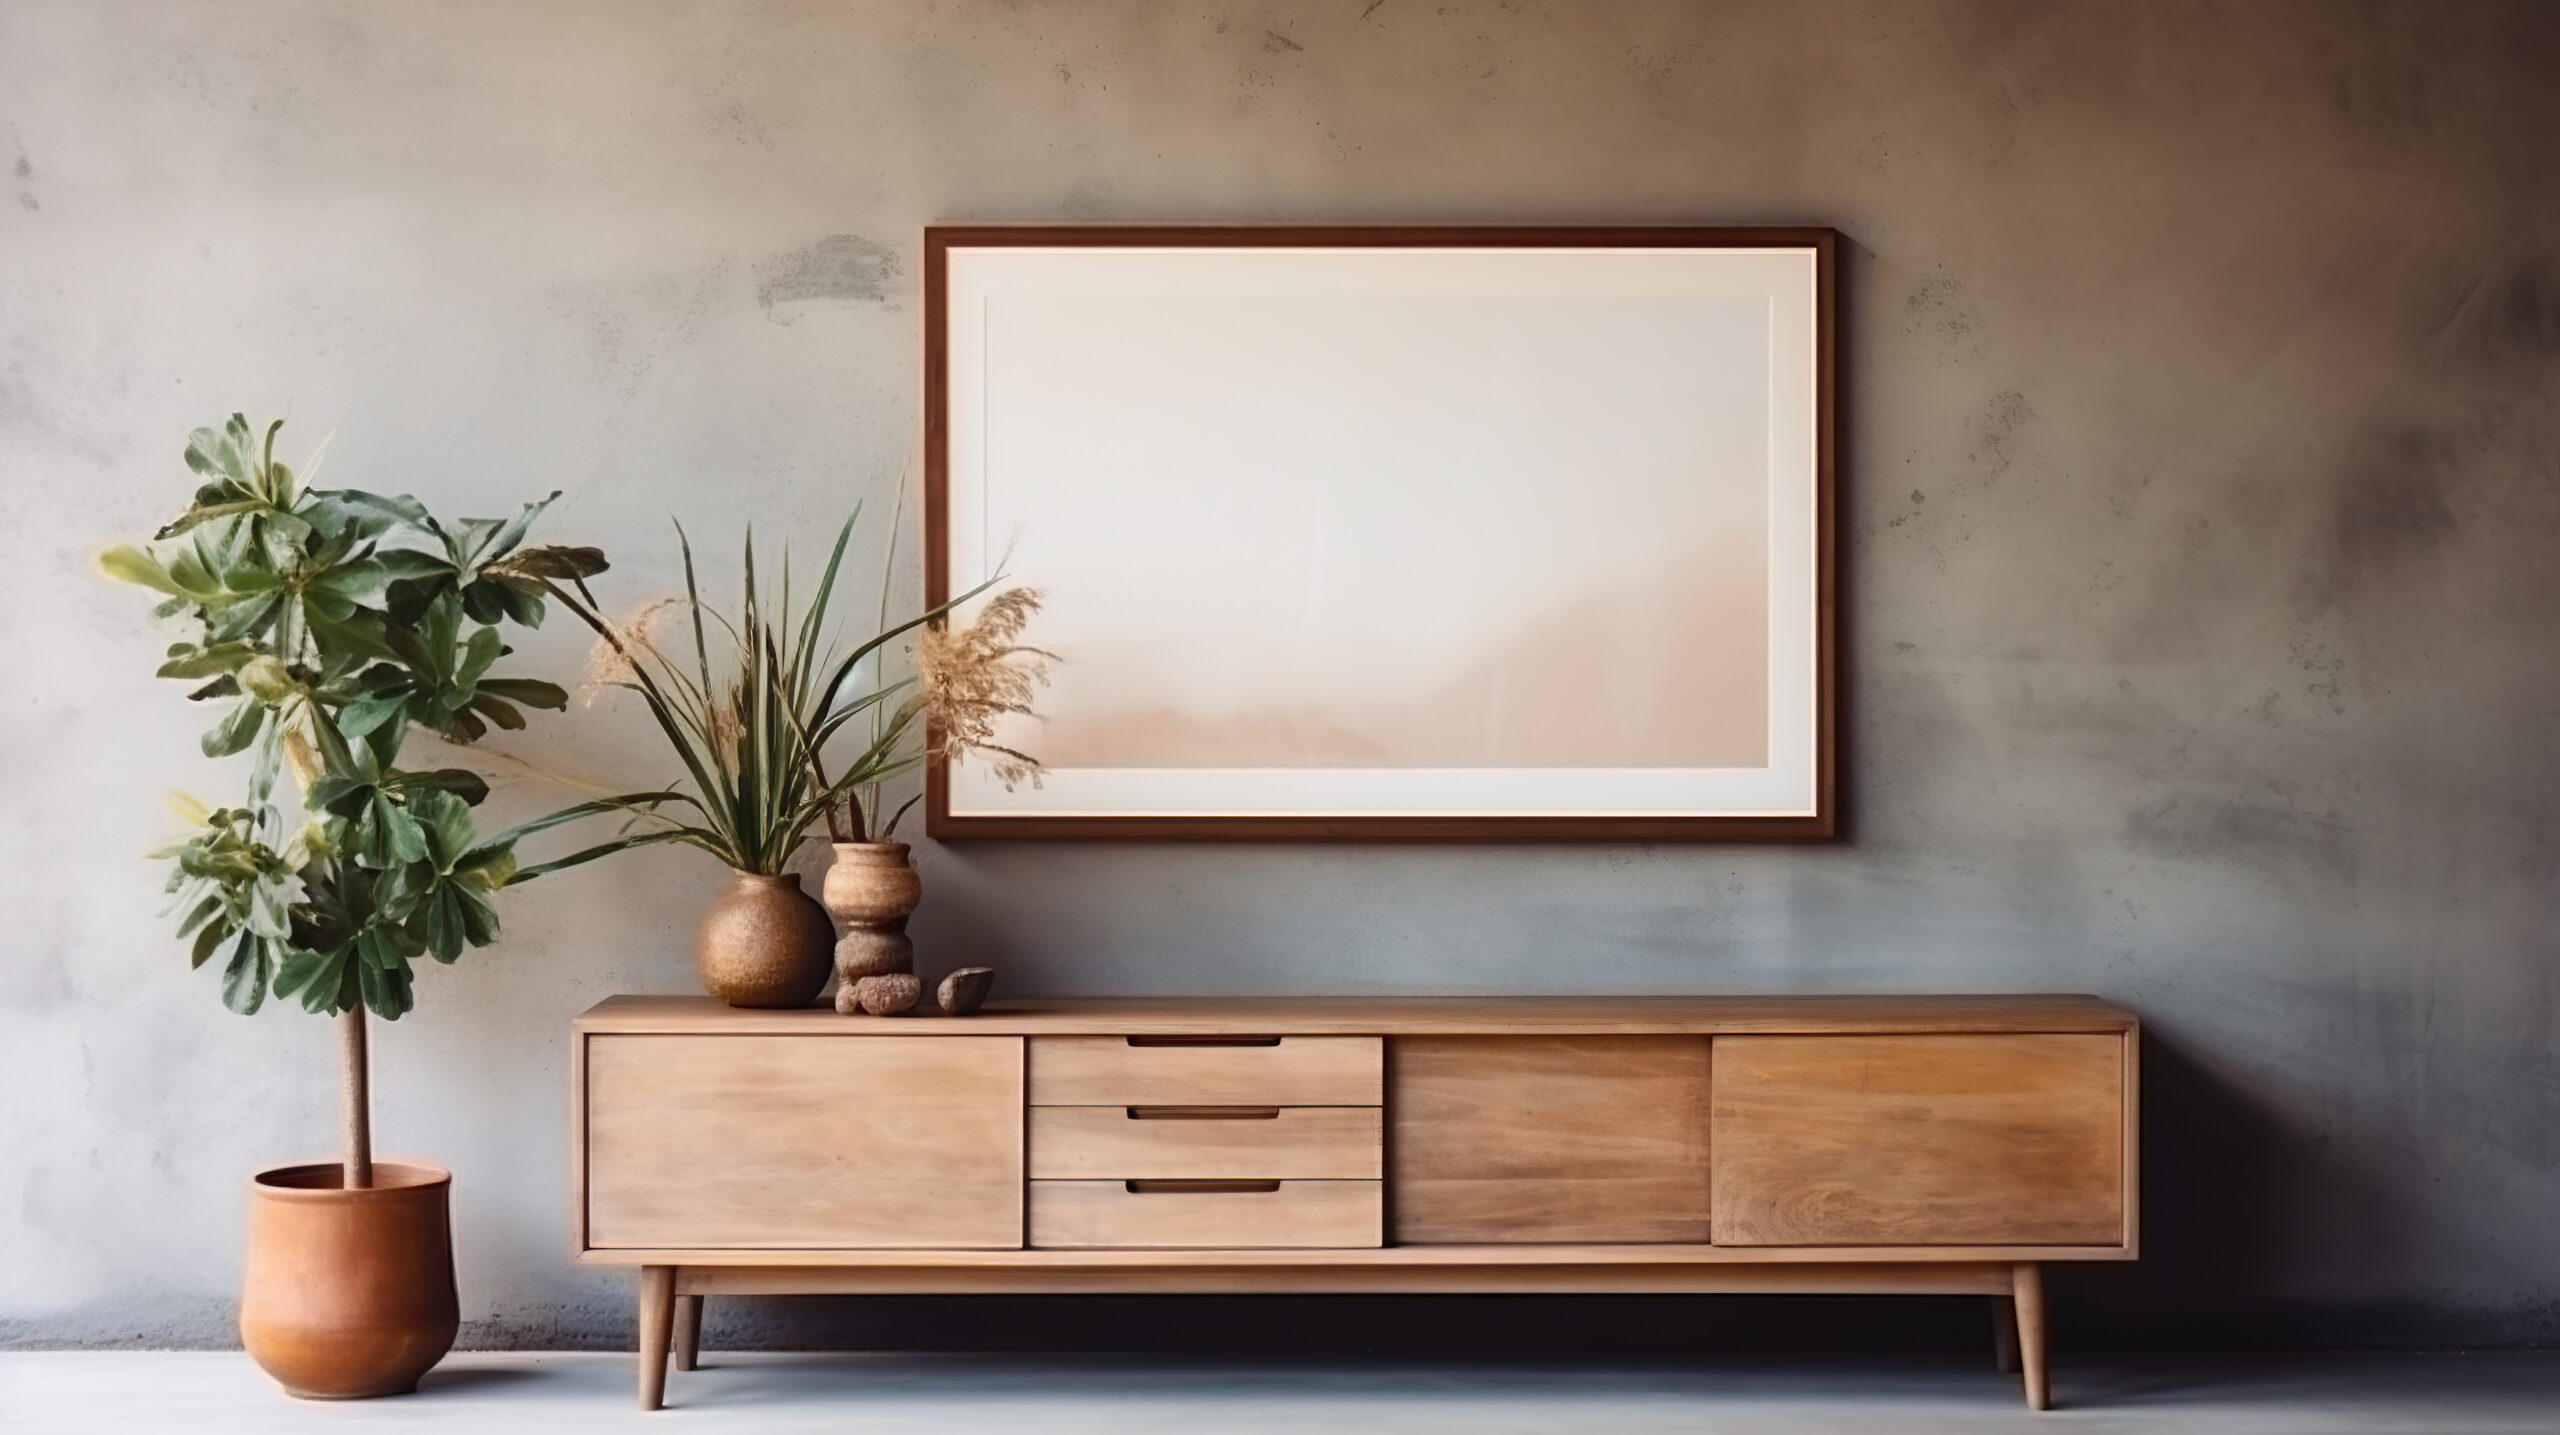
<point x="2202" y="498"/>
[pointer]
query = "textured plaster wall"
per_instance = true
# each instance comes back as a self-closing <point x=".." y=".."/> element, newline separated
<point x="2202" y="496"/>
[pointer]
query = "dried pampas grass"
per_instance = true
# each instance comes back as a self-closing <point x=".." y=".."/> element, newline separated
<point x="614" y="661"/>
<point x="973" y="676"/>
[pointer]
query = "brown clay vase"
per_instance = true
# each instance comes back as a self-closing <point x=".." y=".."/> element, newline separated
<point x="764" y="943"/>
<point x="349" y="1293"/>
<point x="871" y="889"/>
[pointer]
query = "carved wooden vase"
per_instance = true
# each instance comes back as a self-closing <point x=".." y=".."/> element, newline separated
<point x="349" y="1293"/>
<point x="764" y="943"/>
<point x="871" y="889"/>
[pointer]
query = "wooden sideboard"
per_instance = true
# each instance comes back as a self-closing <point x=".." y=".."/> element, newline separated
<point x="1932" y="1145"/>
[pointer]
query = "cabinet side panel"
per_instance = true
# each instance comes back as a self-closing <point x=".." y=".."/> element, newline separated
<point x="777" y="1142"/>
<point x="1528" y="1139"/>
<point x="1920" y="1140"/>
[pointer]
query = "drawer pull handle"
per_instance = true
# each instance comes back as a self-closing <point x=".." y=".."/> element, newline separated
<point x="1204" y="1113"/>
<point x="1204" y="1041"/>
<point x="1205" y="1188"/>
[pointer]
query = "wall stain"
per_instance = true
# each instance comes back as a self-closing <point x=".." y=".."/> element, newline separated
<point x="2247" y="830"/>
<point x="1937" y="308"/>
<point x="2007" y="413"/>
<point x="2390" y="508"/>
<point x="2507" y="317"/>
<point x="841" y="269"/>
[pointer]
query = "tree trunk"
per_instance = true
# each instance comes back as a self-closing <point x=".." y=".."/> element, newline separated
<point x="355" y="1093"/>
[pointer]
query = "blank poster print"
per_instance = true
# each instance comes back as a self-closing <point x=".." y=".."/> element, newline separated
<point x="1431" y="573"/>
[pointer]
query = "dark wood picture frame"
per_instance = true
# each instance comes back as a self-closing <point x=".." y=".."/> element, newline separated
<point x="1822" y="824"/>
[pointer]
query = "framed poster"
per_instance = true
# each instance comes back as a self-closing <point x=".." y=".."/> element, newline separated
<point x="1427" y="533"/>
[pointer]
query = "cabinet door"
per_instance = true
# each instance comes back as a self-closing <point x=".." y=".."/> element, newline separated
<point x="1538" y="1139"/>
<point x="803" y="1142"/>
<point x="1919" y="1140"/>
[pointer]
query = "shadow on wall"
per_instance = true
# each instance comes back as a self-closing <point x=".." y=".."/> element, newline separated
<point x="2238" y="1201"/>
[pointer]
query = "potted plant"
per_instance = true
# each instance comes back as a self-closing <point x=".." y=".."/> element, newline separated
<point x="777" y="730"/>
<point x="326" y="626"/>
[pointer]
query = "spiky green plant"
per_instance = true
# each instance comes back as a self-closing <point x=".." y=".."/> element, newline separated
<point x="754" y="709"/>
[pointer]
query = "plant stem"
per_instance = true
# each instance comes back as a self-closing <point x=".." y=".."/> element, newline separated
<point x="355" y="1091"/>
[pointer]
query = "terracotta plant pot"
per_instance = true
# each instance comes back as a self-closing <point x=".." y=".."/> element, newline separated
<point x="871" y="889"/>
<point x="764" y="944"/>
<point x="349" y="1293"/>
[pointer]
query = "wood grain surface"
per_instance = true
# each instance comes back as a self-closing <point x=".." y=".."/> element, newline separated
<point x="1548" y="1139"/>
<point x="1088" y="1214"/>
<point x="1292" y="1071"/>
<point x="1389" y="1016"/>
<point x="1120" y="1143"/>
<point x="1924" y="1140"/>
<point x="784" y="1142"/>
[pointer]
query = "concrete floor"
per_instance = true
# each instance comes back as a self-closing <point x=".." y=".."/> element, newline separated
<point x="202" y="1394"/>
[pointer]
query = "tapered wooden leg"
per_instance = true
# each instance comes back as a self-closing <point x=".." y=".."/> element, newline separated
<point x="2004" y="1334"/>
<point x="2026" y="1289"/>
<point x="657" y="1309"/>
<point x="688" y="1331"/>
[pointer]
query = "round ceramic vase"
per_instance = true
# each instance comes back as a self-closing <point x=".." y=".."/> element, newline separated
<point x="764" y="943"/>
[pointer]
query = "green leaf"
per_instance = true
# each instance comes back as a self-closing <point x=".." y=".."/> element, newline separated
<point x="553" y="562"/>
<point x="531" y="692"/>
<point x="448" y="826"/>
<point x="479" y="914"/>
<point x="244" y="978"/>
<point x="503" y="714"/>
<point x="441" y="921"/>
<point x="386" y="836"/>
<point x="388" y="945"/>
<point x="365" y="714"/>
<point x="248" y="619"/>
<point x="477" y="655"/>
<point x="487" y="539"/>
<point x="129" y="564"/>
<point x="522" y="602"/>
<point x="189" y="661"/>
<point x="386" y="990"/>
<point x="345" y="642"/>
<point x="206" y="940"/>
<point x="267" y="680"/>
<point x="209" y="513"/>
<point x="309" y="972"/>
<point x="235" y="732"/>
<point x="338" y="593"/>
<point x="267" y="914"/>
<point x="462" y="782"/>
<point x="702" y="837"/>
<point x="341" y="794"/>
<point x="372" y="513"/>
<point x="485" y="868"/>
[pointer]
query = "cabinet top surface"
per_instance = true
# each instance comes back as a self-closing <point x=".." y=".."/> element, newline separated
<point x="1391" y="1016"/>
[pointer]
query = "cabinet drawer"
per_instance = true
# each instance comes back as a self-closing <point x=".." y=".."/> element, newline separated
<point x="802" y="1142"/>
<point x="1919" y="1140"/>
<point x="1175" y="1071"/>
<point x="1176" y="1142"/>
<point x="1211" y="1215"/>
